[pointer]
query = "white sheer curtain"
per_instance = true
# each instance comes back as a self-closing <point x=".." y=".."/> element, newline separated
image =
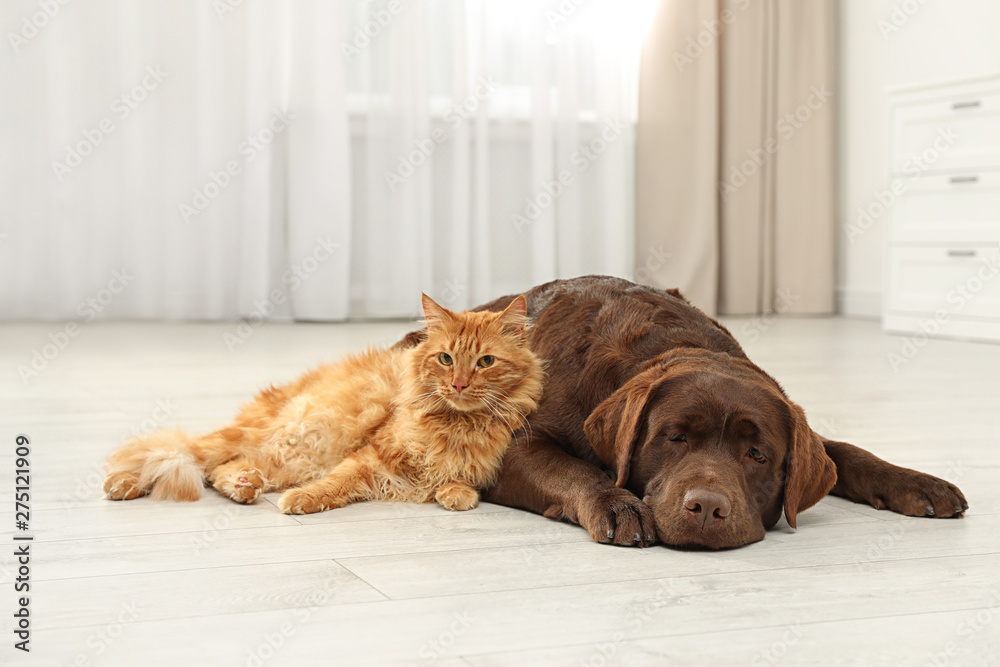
<point x="312" y="160"/>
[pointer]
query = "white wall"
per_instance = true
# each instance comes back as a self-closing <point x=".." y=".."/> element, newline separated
<point x="885" y="44"/>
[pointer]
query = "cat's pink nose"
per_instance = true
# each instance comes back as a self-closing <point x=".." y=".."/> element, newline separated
<point x="459" y="386"/>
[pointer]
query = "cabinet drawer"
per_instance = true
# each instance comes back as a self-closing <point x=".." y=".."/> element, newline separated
<point x="945" y="209"/>
<point x="959" y="133"/>
<point x="965" y="282"/>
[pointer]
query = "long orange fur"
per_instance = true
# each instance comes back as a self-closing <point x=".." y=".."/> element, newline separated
<point x="385" y="424"/>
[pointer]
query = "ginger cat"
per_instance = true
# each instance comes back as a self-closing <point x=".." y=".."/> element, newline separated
<point x="426" y="424"/>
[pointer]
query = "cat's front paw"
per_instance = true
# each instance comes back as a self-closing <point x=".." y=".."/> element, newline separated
<point x="301" y="501"/>
<point x="457" y="497"/>
<point x="123" y="486"/>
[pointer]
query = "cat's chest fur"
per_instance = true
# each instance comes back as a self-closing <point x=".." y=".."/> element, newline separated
<point x="445" y="447"/>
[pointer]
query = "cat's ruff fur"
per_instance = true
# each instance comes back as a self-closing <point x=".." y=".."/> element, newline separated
<point x="385" y="424"/>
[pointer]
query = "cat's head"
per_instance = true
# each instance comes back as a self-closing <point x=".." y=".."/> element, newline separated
<point x="472" y="360"/>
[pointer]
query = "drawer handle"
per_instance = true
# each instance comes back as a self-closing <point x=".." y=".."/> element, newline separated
<point x="966" y="105"/>
<point x="961" y="253"/>
<point x="964" y="179"/>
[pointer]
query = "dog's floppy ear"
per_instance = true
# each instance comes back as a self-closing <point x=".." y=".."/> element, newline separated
<point x="809" y="472"/>
<point x="614" y="425"/>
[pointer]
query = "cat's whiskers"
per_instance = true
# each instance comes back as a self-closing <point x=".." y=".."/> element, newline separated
<point x="523" y="424"/>
<point x="501" y="405"/>
<point x="499" y="417"/>
<point x="413" y="400"/>
<point x="515" y="413"/>
<point x="492" y="411"/>
<point x="439" y="401"/>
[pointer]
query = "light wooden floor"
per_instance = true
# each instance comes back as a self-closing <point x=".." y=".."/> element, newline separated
<point x="215" y="583"/>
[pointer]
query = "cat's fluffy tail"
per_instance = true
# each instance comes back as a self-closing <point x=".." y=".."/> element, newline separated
<point x="164" y="465"/>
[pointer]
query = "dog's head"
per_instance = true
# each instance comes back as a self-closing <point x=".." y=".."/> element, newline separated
<point x="714" y="448"/>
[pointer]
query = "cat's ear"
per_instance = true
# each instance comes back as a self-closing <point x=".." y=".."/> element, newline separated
<point x="435" y="314"/>
<point x="514" y="318"/>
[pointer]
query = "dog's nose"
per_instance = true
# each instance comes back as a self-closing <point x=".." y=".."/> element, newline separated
<point x="707" y="509"/>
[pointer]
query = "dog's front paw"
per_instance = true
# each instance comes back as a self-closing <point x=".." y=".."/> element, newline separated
<point x="457" y="497"/>
<point x="616" y="516"/>
<point x="917" y="494"/>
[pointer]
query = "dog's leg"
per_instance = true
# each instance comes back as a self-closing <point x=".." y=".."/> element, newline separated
<point x="537" y="475"/>
<point x="865" y="478"/>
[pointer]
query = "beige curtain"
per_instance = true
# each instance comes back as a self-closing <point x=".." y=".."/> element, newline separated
<point x="735" y="156"/>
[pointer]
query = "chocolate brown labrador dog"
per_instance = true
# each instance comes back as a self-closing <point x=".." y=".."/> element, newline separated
<point x="654" y="424"/>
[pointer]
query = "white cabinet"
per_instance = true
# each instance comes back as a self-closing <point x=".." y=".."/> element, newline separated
<point x="943" y="254"/>
<point x="943" y="208"/>
<point x="970" y="123"/>
<point x="958" y="280"/>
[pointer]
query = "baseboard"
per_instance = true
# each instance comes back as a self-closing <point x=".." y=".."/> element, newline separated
<point x="857" y="303"/>
<point x="917" y="328"/>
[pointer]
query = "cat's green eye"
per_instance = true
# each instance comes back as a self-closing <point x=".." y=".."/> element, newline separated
<point x="487" y="361"/>
<point x="444" y="358"/>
